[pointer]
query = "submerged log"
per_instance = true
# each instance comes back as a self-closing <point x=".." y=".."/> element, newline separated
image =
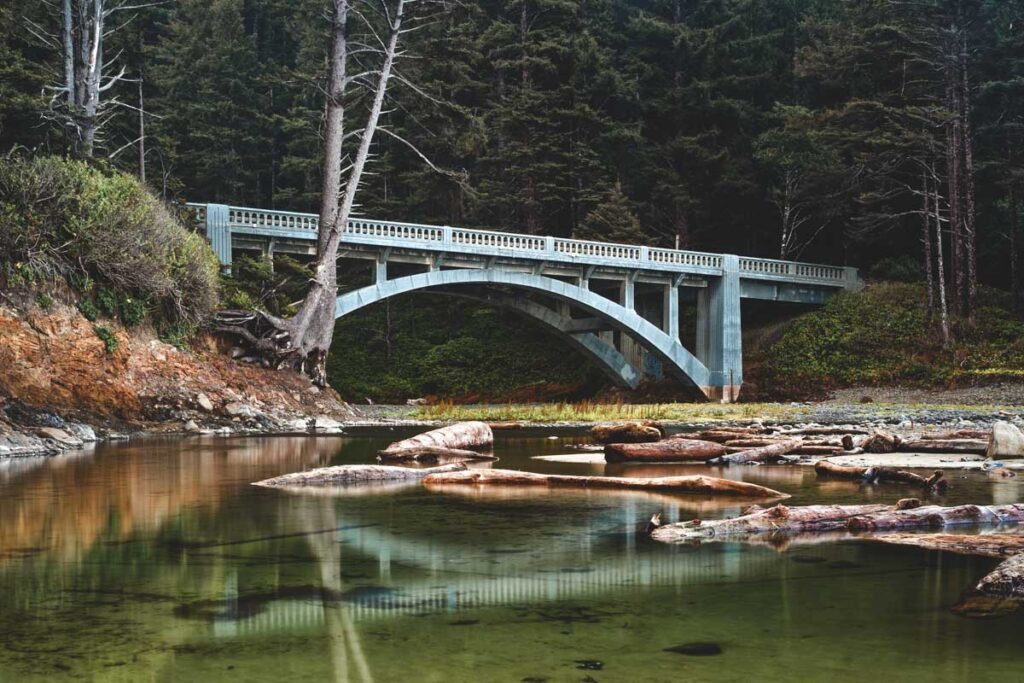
<point x="669" y="450"/>
<point x="972" y="446"/>
<point x="626" y="432"/>
<point x="785" y="520"/>
<point x="886" y="475"/>
<point x="1006" y="579"/>
<point x="355" y="474"/>
<point x="433" y="454"/>
<point x="461" y="435"/>
<point x="699" y="484"/>
<point x="769" y="453"/>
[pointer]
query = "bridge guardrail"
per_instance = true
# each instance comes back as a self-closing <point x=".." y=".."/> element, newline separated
<point x="436" y="237"/>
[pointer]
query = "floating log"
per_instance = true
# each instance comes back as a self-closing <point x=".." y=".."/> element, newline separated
<point x="699" y="484"/>
<point x="972" y="446"/>
<point x="769" y="453"/>
<point x="461" y="435"/>
<point x="626" y="432"/>
<point x="887" y="475"/>
<point x="504" y="425"/>
<point x="668" y="450"/>
<point x="988" y="545"/>
<point x="355" y="474"/>
<point x="781" y="519"/>
<point x="433" y="454"/>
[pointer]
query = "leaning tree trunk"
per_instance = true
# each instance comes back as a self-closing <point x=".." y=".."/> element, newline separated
<point x="305" y="339"/>
<point x="926" y="239"/>
<point x="967" y="144"/>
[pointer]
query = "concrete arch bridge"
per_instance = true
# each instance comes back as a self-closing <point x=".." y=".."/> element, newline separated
<point x="586" y="291"/>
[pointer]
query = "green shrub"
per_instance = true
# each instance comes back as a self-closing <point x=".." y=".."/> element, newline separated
<point x="88" y="310"/>
<point x="108" y="337"/>
<point x="61" y="218"/>
<point x="106" y="302"/>
<point x="44" y="301"/>
<point x="179" y="335"/>
<point x="133" y="311"/>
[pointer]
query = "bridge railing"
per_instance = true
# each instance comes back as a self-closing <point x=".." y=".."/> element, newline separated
<point x="437" y="237"/>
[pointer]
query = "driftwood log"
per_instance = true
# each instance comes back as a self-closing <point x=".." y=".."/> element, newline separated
<point x="971" y="446"/>
<point x="884" y="475"/>
<point x="781" y="519"/>
<point x="769" y="453"/>
<point x="627" y="432"/>
<point x="669" y="450"/>
<point x="698" y="484"/>
<point x="355" y="474"/>
<point x="459" y="436"/>
<point x="432" y="454"/>
<point x="723" y="434"/>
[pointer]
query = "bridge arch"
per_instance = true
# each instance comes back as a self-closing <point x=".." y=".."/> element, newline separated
<point x="604" y="355"/>
<point x="675" y="357"/>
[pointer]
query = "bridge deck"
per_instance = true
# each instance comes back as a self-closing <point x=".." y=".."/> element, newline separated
<point x="443" y="239"/>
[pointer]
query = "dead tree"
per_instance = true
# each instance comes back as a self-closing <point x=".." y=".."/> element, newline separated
<point x="304" y="340"/>
<point x="79" y="104"/>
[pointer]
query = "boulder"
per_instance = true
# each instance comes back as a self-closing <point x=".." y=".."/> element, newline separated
<point x="1006" y="441"/>
<point x="322" y="424"/>
<point x="60" y="436"/>
<point x="204" y="402"/>
<point x="238" y="409"/>
<point x="81" y="431"/>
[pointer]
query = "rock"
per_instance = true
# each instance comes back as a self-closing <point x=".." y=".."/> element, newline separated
<point x="60" y="436"/>
<point x="192" y="428"/>
<point x="1006" y="441"/>
<point x="204" y="402"/>
<point x="82" y="432"/>
<point x="322" y="424"/>
<point x="238" y="409"/>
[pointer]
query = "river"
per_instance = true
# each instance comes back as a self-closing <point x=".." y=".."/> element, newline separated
<point x="156" y="560"/>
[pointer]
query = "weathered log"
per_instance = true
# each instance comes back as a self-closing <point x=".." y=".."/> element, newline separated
<point x="668" y="450"/>
<point x="699" y="484"/>
<point x="972" y="446"/>
<point x="781" y="519"/>
<point x="355" y="474"/>
<point x="461" y="435"/>
<point x="987" y="545"/>
<point x="625" y="432"/>
<point x="722" y="434"/>
<point x="958" y="434"/>
<point x="433" y="454"/>
<point x="770" y="453"/>
<point x="888" y="475"/>
<point x="750" y="443"/>
<point x="1006" y="579"/>
<point x="810" y="449"/>
<point x="826" y="431"/>
<point x="847" y="442"/>
<point x="504" y="425"/>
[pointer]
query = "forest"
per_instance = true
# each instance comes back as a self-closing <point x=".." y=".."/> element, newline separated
<point x="885" y="134"/>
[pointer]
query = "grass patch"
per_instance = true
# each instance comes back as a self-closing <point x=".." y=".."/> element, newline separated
<point x="586" y="411"/>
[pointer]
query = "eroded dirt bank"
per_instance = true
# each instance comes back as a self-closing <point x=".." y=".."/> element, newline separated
<point x="62" y="384"/>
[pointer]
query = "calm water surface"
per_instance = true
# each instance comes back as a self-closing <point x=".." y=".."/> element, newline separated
<point x="156" y="560"/>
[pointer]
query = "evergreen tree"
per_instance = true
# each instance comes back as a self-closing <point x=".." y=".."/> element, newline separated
<point x="613" y="220"/>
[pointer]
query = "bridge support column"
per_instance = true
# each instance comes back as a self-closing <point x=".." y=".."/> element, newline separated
<point x="670" y="311"/>
<point x="719" y="343"/>
<point x="627" y="298"/>
<point x="219" y="233"/>
<point x="380" y="270"/>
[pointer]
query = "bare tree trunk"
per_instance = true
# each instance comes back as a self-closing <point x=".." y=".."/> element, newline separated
<point x="1014" y="257"/>
<point x="307" y="337"/>
<point x="67" y="32"/>
<point x="940" y="269"/>
<point x="142" y="134"/>
<point x="953" y="195"/>
<point x="967" y="143"/>
<point x="926" y="239"/>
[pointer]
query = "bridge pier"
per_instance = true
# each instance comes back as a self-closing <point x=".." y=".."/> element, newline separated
<point x="218" y="231"/>
<point x="719" y="340"/>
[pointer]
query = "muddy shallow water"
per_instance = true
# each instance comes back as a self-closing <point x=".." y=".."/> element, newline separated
<point x="156" y="560"/>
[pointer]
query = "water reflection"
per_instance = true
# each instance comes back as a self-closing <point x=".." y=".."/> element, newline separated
<point x="158" y="560"/>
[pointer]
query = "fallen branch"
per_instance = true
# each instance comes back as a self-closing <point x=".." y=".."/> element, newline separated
<point x="770" y="453"/>
<point x="690" y="484"/>
<point x="885" y="475"/>
<point x="355" y="474"/>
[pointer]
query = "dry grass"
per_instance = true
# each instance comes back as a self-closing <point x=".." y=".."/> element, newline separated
<point x="586" y="411"/>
